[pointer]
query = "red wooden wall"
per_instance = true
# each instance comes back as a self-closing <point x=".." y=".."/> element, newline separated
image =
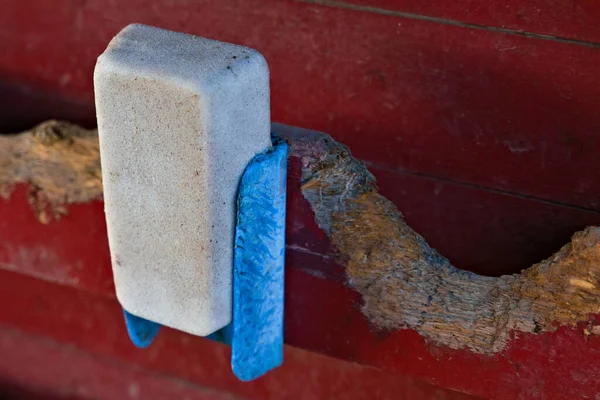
<point x="479" y="119"/>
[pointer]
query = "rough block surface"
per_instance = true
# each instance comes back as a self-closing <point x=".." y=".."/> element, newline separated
<point x="179" y="118"/>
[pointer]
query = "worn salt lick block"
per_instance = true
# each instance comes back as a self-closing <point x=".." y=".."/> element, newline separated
<point x="179" y="118"/>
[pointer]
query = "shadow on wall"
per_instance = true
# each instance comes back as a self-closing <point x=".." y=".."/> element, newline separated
<point x="22" y="107"/>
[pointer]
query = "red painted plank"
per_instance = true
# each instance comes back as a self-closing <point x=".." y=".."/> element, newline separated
<point x="577" y="20"/>
<point x="479" y="230"/>
<point x="94" y="356"/>
<point x="485" y="232"/>
<point x="321" y="313"/>
<point x="497" y="110"/>
<point x="557" y="365"/>
<point x="73" y="251"/>
<point x="47" y="369"/>
<point x="546" y="366"/>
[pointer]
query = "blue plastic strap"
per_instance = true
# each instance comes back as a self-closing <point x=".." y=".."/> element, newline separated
<point x="141" y="331"/>
<point x="258" y="266"/>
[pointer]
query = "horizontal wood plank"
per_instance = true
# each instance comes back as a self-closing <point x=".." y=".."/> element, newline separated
<point x="558" y="19"/>
<point x="75" y="342"/>
<point x="320" y="316"/>
<point x="487" y="108"/>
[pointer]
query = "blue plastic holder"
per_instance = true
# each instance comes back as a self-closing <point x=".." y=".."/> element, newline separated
<point x="141" y="331"/>
<point x="256" y="333"/>
<point x="258" y="266"/>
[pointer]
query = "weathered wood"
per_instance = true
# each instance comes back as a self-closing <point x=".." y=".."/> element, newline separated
<point x="406" y="283"/>
<point x="59" y="161"/>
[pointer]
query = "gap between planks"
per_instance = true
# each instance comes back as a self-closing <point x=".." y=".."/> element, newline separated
<point x="445" y="21"/>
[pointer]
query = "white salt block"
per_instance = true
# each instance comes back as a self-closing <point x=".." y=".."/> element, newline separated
<point x="179" y="118"/>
